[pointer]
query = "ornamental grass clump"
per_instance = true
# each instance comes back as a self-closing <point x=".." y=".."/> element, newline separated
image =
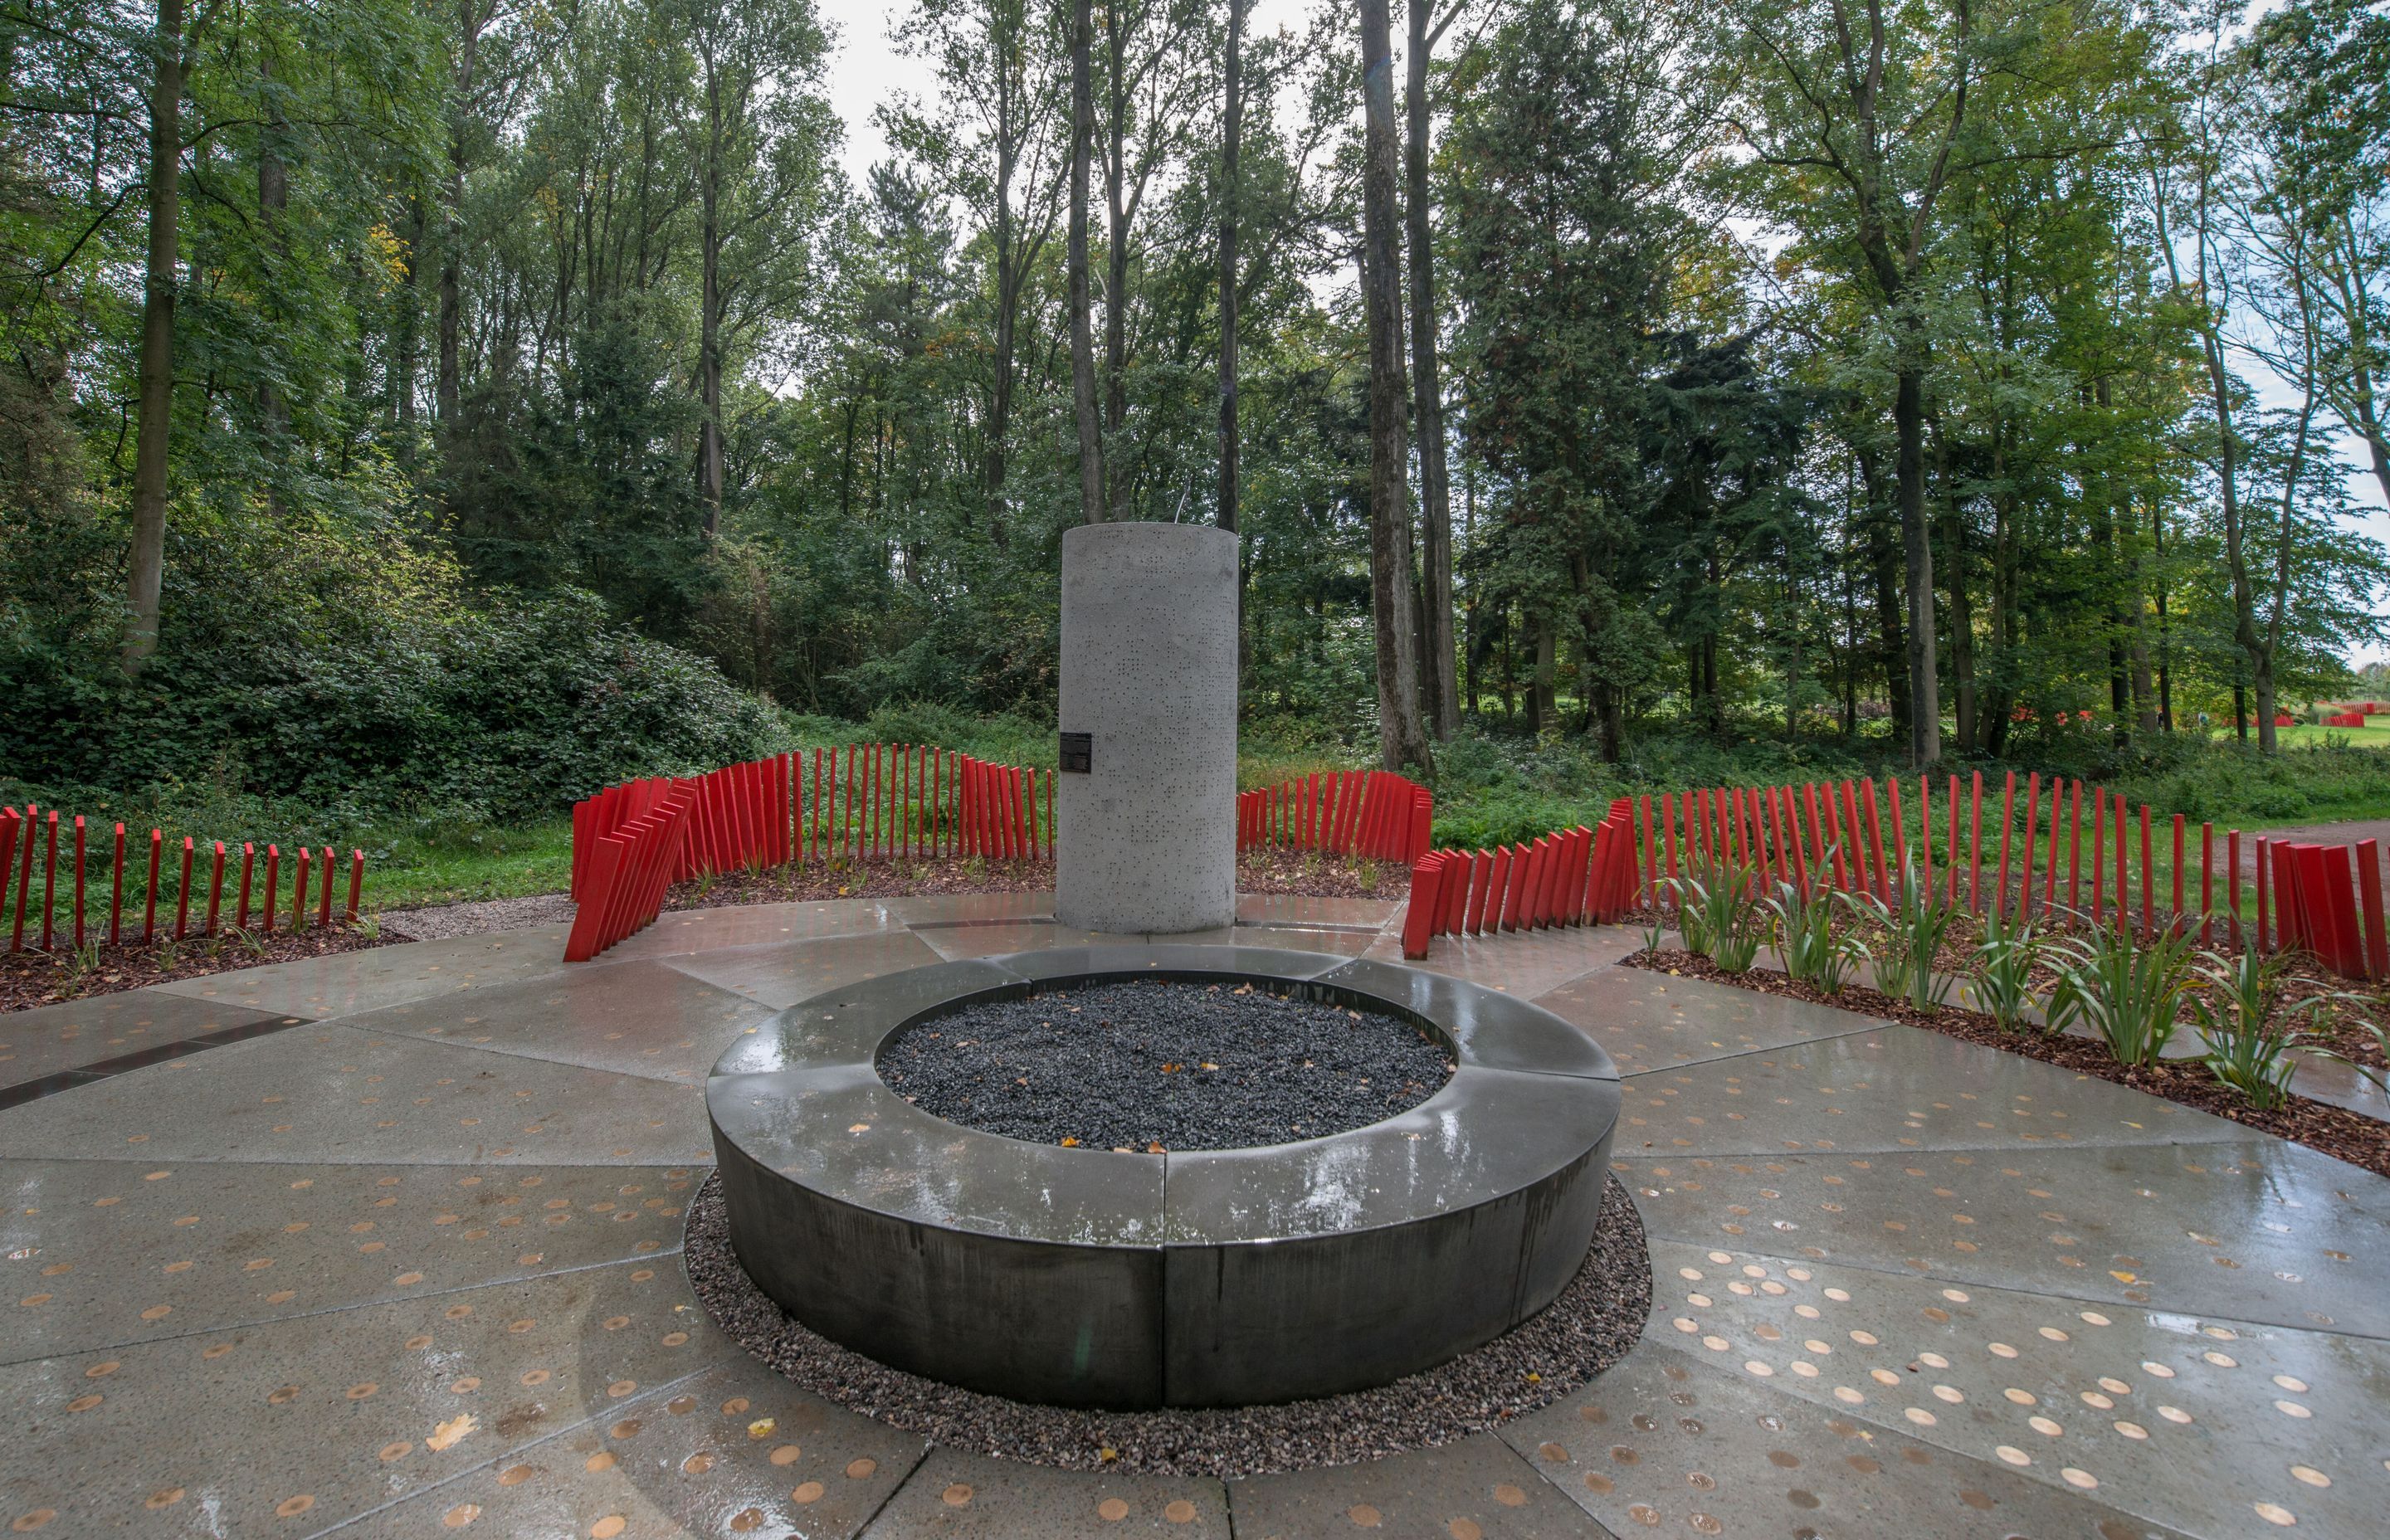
<point x="2248" y="1030"/>
<point x="2006" y="958"/>
<point x="1816" y="950"/>
<point x="1916" y="924"/>
<point x="1717" y="915"/>
<point x="2129" y="994"/>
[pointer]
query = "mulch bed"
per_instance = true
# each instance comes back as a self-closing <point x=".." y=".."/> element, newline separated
<point x="1312" y="874"/>
<point x="2339" y="1131"/>
<point x="30" y="978"/>
<point x="1149" y="1066"/>
<point x="1318" y="874"/>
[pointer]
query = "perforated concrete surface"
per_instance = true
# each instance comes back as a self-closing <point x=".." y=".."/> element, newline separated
<point x="388" y="1245"/>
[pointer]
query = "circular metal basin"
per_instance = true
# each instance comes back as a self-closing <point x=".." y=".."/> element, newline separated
<point x="1090" y="1278"/>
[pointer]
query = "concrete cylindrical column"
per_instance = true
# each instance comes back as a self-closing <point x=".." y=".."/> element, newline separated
<point x="1146" y="834"/>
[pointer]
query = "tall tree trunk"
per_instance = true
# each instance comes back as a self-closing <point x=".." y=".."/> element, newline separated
<point x="2355" y="301"/>
<point x="2166" y="625"/>
<point x="1232" y="128"/>
<point x="1427" y="389"/>
<point x="1908" y="428"/>
<point x="154" y="426"/>
<point x="1092" y="507"/>
<point x="1402" y="737"/>
<point x="472" y="17"/>
<point x="1115" y="255"/>
<point x="709" y="340"/>
<point x="273" y="200"/>
<point x="404" y="347"/>
<point x="1883" y="557"/>
<point x="1008" y="306"/>
<point x="1962" y="605"/>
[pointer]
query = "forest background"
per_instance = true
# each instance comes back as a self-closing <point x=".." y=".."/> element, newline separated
<point x="416" y="414"/>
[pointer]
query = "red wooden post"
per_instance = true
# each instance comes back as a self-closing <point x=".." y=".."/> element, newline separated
<point x="2008" y="805"/>
<point x="2124" y="919"/>
<point x="1668" y="827"/>
<point x="115" y="893"/>
<point x="50" y="880"/>
<point x="2032" y="808"/>
<point x="1975" y="846"/>
<point x="1834" y="840"/>
<point x="1850" y="796"/>
<point x="299" y="893"/>
<point x="324" y="899"/>
<point x="1875" y="833"/>
<point x="356" y="880"/>
<point x="1950" y="844"/>
<point x="2050" y="867"/>
<point x="2258" y="937"/>
<point x="1514" y="897"/>
<point x="2232" y="884"/>
<point x="25" y="825"/>
<point x="1817" y="856"/>
<point x="215" y="890"/>
<point x="1646" y="873"/>
<point x="2369" y="885"/>
<point x="183" y="894"/>
<point x="11" y="826"/>
<point x="1925" y="833"/>
<point x="2206" y="884"/>
<point x="1457" y="867"/>
<point x="2099" y="850"/>
<point x="2074" y="849"/>
<point x="1426" y="885"/>
<point x="150" y="911"/>
<point x="2148" y="883"/>
<point x="248" y="859"/>
<point x="1900" y="836"/>
<point x="78" y="879"/>
<point x="1480" y="873"/>
<point x="272" y="864"/>
<point x="2176" y="923"/>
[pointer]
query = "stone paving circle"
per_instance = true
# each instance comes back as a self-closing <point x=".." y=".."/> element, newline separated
<point x="387" y="1244"/>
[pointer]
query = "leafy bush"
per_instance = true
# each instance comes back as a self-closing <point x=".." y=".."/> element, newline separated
<point x="2006" y="955"/>
<point x="1917" y="923"/>
<point x="1717" y="916"/>
<point x="1816" y="950"/>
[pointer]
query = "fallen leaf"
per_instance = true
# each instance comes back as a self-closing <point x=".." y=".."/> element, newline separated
<point x="761" y="1428"/>
<point x="448" y="1433"/>
<point x="1069" y="1144"/>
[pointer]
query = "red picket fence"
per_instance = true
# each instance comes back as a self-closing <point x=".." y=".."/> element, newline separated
<point x="865" y="802"/>
<point x="2346" y="719"/>
<point x="21" y="830"/>
<point x="2325" y="900"/>
<point x="1370" y="813"/>
<point x="1570" y="877"/>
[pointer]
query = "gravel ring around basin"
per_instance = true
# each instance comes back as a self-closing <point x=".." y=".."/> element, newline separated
<point x="1155" y="1065"/>
<point x="1593" y="1323"/>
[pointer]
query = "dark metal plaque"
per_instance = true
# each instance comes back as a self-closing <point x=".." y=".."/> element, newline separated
<point x="1078" y="752"/>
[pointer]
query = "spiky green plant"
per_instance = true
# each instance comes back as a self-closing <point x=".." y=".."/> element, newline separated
<point x="2002" y="969"/>
<point x="1718" y="913"/>
<point x="1916" y="924"/>
<point x="1816" y="950"/>
<point x="2249" y="1031"/>
<point x="2130" y="993"/>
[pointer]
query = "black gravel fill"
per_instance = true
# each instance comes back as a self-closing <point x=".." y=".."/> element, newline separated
<point x="1151" y="1065"/>
<point x="1597" y="1318"/>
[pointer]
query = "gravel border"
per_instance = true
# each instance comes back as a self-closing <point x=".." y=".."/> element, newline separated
<point x="478" y="916"/>
<point x="1164" y="1064"/>
<point x="1597" y="1318"/>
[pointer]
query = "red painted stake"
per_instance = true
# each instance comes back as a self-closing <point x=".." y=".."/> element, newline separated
<point x="11" y="825"/>
<point x="50" y="880"/>
<point x="1950" y="845"/>
<point x="299" y="892"/>
<point x="2099" y="850"/>
<point x="2258" y="938"/>
<point x="183" y="894"/>
<point x="149" y="910"/>
<point x="272" y="864"/>
<point x="1875" y="834"/>
<point x="116" y="892"/>
<point x="2124" y="919"/>
<point x="27" y="826"/>
<point x="2075" y="850"/>
<point x="2232" y="884"/>
<point x="2206" y="884"/>
<point x="2050" y="867"/>
<point x="1900" y="836"/>
<point x="2177" y="923"/>
<point x="2368" y="882"/>
<point x="1925" y="833"/>
<point x="2148" y="883"/>
<point x="215" y="890"/>
<point x="248" y="859"/>
<point x="1975" y="847"/>
<point x="78" y="896"/>
<point x="2032" y="806"/>
<point x="323" y="901"/>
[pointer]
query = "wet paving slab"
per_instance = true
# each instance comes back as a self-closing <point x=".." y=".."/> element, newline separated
<point x="107" y="1028"/>
<point x="2263" y="1231"/>
<point x="1663" y="1442"/>
<point x="291" y="1426"/>
<point x="99" y="1252"/>
<point x="1526" y="963"/>
<point x="1836" y="1188"/>
<point x="330" y="1093"/>
<point x="1650" y="1020"/>
<point x="350" y="981"/>
<point x="680" y="932"/>
<point x="1475" y="1488"/>
<point x="972" y="1497"/>
<point x="633" y="1018"/>
<point x="778" y="974"/>
<point x="731" y="1451"/>
<point x="2207" y="1425"/>
<point x="1892" y="1089"/>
